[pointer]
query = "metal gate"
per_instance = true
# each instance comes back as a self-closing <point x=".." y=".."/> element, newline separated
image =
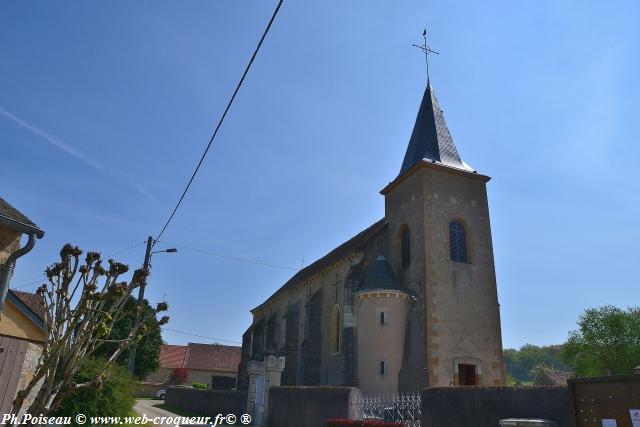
<point x="399" y="408"/>
<point x="258" y="413"/>
<point x="12" y="352"/>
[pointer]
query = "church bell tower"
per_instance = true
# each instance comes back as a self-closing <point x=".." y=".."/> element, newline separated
<point x="441" y="247"/>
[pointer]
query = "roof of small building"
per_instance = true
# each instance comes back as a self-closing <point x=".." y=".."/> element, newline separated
<point x="213" y="357"/>
<point x="552" y="376"/>
<point x="172" y="356"/>
<point x="30" y="305"/>
<point x="380" y="276"/>
<point x="33" y="301"/>
<point x="332" y="257"/>
<point x="203" y="357"/>
<point x="431" y="140"/>
<point x="15" y="219"/>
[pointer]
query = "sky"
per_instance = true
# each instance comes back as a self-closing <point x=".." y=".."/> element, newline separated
<point x="105" y="108"/>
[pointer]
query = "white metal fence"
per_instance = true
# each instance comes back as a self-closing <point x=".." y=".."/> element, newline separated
<point x="400" y="408"/>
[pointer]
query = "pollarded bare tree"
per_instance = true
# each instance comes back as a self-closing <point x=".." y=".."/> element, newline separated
<point x="82" y="301"/>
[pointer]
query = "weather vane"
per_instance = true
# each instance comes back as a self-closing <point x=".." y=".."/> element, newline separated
<point x="427" y="50"/>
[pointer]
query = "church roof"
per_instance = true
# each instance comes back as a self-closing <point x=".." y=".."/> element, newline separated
<point x="431" y="140"/>
<point x="380" y="276"/>
<point x="332" y="257"/>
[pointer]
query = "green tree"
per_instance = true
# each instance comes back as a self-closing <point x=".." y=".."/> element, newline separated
<point x="521" y="362"/>
<point x="607" y="342"/>
<point x="148" y="348"/>
<point x="114" y="397"/>
<point x="83" y="301"/>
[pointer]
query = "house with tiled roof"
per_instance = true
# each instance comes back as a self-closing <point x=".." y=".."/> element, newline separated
<point x="22" y="327"/>
<point x="213" y="364"/>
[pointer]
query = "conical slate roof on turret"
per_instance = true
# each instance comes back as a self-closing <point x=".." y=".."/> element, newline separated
<point x="430" y="139"/>
<point x="380" y="276"/>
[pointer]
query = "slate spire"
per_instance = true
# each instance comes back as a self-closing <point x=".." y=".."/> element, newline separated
<point x="430" y="139"/>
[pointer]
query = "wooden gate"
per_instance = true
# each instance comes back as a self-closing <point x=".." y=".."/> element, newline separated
<point x="12" y="352"/>
<point x="595" y="399"/>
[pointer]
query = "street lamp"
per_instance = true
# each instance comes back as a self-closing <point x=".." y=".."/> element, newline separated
<point x="169" y="251"/>
<point x="145" y="267"/>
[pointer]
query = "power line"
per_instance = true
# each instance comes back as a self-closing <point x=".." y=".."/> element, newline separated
<point x="127" y="249"/>
<point x="233" y="258"/>
<point x="200" y="336"/>
<point x="224" y="114"/>
<point x="27" y="284"/>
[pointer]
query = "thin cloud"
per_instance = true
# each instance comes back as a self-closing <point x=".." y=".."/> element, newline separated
<point x="74" y="152"/>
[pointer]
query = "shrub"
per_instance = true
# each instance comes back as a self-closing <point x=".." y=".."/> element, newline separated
<point x="335" y="422"/>
<point x="114" y="398"/>
<point x="179" y="376"/>
<point x="199" y="386"/>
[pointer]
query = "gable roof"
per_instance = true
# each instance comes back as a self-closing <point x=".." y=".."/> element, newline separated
<point x="16" y="220"/>
<point x="549" y="376"/>
<point x="172" y="356"/>
<point x="29" y="304"/>
<point x="33" y="301"/>
<point x="213" y="357"/>
<point x="431" y="140"/>
<point x="332" y="257"/>
<point x="203" y="357"/>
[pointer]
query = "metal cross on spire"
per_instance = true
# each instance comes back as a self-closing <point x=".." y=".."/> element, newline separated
<point x="427" y="50"/>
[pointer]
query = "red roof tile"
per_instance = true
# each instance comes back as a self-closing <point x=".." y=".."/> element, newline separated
<point x="213" y="357"/>
<point x="33" y="301"/>
<point x="203" y="357"/>
<point x="172" y="356"/>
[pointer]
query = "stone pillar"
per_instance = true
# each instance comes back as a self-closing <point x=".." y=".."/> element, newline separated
<point x="273" y="367"/>
<point x="262" y="375"/>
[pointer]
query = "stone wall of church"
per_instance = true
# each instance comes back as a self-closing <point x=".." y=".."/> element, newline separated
<point x="404" y="207"/>
<point x="243" y="377"/>
<point x="291" y="345"/>
<point x="312" y="344"/>
<point x="297" y="324"/>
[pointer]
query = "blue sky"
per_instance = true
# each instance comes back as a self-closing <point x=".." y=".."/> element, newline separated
<point x="105" y="108"/>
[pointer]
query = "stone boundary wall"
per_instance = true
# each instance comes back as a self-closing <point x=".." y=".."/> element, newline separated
<point x="207" y="402"/>
<point x="309" y="406"/>
<point x="485" y="406"/>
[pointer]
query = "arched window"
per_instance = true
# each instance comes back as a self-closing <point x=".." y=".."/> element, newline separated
<point x="405" y="247"/>
<point x="458" y="241"/>
<point x="336" y="329"/>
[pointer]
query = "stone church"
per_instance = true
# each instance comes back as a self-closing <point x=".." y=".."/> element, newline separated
<point x="410" y="301"/>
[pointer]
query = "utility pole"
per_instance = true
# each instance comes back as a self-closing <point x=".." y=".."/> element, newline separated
<point x="145" y="268"/>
